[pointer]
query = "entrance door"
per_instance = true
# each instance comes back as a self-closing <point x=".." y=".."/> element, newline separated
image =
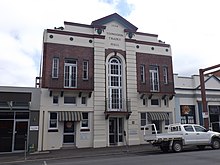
<point x="6" y="135"/>
<point x="115" y="131"/>
<point x="21" y="128"/>
<point x="69" y="132"/>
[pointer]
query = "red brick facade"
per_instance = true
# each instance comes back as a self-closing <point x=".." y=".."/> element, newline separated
<point x="63" y="52"/>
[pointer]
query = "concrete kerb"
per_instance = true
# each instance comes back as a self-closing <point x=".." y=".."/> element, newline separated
<point x="74" y="153"/>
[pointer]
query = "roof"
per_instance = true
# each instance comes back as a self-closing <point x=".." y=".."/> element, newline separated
<point x="115" y="17"/>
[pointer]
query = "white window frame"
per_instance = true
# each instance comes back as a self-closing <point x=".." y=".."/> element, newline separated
<point x="145" y="119"/>
<point x="87" y="120"/>
<point x="54" y="120"/>
<point x="159" y="102"/>
<point x="165" y="75"/>
<point x="70" y="74"/>
<point x="57" y="99"/>
<point x="142" y="68"/>
<point x="85" y="70"/>
<point x="154" y="78"/>
<point x="55" y="67"/>
<point x="70" y="103"/>
<point x="82" y="100"/>
<point x="115" y="91"/>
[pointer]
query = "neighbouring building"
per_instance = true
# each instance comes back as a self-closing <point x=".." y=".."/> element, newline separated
<point x="19" y="119"/>
<point x="101" y="83"/>
<point x="188" y="102"/>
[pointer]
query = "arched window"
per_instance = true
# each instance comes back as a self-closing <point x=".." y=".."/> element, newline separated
<point x="115" y="84"/>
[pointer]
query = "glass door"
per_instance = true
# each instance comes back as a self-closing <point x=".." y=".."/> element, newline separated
<point x="69" y="132"/>
<point x="21" y="130"/>
<point x="115" y="131"/>
<point x="6" y="135"/>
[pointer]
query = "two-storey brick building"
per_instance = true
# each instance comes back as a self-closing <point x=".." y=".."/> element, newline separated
<point x="101" y="83"/>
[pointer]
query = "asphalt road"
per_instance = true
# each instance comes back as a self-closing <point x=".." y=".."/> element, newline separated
<point x="210" y="157"/>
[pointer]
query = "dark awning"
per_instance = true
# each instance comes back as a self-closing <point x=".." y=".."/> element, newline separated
<point x="158" y="115"/>
<point x="70" y="116"/>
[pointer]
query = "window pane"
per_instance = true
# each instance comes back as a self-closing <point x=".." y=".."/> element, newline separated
<point x="55" y="99"/>
<point x="53" y="115"/>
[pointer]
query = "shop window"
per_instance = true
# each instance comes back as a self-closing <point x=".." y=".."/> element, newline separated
<point x="53" y="121"/>
<point x="188" y="114"/>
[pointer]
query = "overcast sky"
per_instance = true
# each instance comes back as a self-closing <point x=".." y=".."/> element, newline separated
<point x="191" y="27"/>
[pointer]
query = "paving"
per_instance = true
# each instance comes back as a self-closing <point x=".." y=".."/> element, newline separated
<point x="75" y="153"/>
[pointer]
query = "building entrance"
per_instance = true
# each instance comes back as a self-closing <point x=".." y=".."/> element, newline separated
<point x="13" y="135"/>
<point x="115" y="131"/>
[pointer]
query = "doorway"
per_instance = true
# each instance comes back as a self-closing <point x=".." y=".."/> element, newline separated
<point x="115" y="131"/>
<point x="69" y="132"/>
<point x="13" y="135"/>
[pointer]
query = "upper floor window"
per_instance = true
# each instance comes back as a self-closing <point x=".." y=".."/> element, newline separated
<point x="83" y="100"/>
<point x="142" y="73"/>
<point x="55" y="67"/>
<point x="70" y="73"/>
<point x="69" y="100"/>
<point x="53" y="120"/>
<point x="165" y="75"/>
<point x="115" y="83"/>
<point x="55" y="99"/>
<point x="155" y="102"/>
<point x="85" y="70"/>
<point x="154" y="78"/>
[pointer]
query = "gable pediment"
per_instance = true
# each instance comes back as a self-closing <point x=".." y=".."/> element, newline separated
<point x="115" y="18"/>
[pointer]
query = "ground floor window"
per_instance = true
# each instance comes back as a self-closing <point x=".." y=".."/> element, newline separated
<point x="187" y="114"/>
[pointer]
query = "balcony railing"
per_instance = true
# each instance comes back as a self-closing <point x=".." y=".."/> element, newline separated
<point x="117" y="106"/>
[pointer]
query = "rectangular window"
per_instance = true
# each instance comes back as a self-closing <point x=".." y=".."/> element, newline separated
<point x="69" y="100"/>
<point x="142" y="73"/>
<point x="143" y="119"/>
<point x="55" y="67"/>
<point x="85" y="70"/>
<point x="83" y="100"/>
<point x="166" y="102"/>
<point x="154" y="78"/>
<point x="53" y="120"/>
<point x="165" y="75"/>
<point x="145" y="101"/>
<point x="85" y="121"/>
<point x="55" y="99"/>
<point x="155" y="102"/>
<point x="70" y="74"/>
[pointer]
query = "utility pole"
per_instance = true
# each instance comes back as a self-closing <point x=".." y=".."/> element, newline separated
<point x="203" y="95"/>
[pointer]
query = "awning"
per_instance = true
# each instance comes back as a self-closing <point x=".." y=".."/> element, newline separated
<point x="69" y="116"/>
<point x="158" y="115"/>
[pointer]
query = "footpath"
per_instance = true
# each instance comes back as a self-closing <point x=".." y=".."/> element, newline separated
<point x="75" y="153"/>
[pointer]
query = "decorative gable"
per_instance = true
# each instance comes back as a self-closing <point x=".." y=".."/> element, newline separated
<point x="115" y="18"/>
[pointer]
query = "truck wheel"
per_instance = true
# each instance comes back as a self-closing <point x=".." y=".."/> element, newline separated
<point x="177" y="146"/>
<point x="215" y="143"/>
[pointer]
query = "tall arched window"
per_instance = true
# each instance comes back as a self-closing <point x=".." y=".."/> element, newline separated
<point x="115" y="84"/>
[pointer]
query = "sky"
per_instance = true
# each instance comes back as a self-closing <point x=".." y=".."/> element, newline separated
<point x="191" y="27"/>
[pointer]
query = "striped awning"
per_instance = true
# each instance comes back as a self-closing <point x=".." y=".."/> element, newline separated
<point x="158" y="115"/>
<point x="69" y="116"/>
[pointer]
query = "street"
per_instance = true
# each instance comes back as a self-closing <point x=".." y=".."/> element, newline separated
<point x="157" y="158"/>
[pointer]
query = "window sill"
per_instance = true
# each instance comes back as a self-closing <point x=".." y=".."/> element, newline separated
<point x="52" y="130"/>
<point x="84" y="130"/>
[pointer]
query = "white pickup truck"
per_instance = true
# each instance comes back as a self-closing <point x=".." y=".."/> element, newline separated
<point x="180" y="135"/>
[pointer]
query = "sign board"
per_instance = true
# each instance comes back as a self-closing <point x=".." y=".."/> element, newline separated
<point x="34" y="128"/>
